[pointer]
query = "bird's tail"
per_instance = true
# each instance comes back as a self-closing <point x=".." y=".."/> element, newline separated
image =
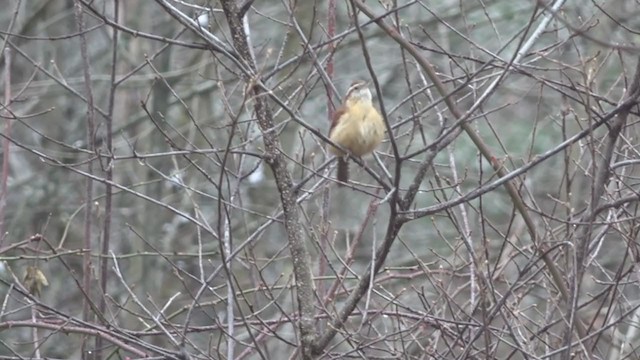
<point x="343" y="170"/>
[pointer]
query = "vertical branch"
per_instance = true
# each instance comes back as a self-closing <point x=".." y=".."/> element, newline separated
<point x="7" y="110"/>
<point x="106" y="232"/>
<point x="331" y="33"/>
<point x="326" y="195"/>
<point x="277" y="162"/>
<point x="6" y="148"/>
<point x="34" y="332"/>
<point x="87" y="244"/>
<point x="6" y="144"/>
<point x="227" y="248"/>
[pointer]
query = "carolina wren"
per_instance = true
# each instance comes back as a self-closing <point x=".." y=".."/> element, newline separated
<point x="356" y="126"/>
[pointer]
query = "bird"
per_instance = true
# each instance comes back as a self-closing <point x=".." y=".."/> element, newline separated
<point x="356" y="127"/>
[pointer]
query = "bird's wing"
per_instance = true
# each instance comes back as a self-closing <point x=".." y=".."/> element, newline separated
<point x="336" y="116"/>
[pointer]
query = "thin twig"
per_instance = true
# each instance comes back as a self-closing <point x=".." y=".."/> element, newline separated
<point x="88" y="228"/>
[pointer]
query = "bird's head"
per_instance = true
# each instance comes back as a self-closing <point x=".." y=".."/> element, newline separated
<point x="359" y="91"/>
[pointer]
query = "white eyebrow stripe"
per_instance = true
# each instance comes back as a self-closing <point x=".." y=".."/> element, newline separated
<point x="355" y="85"/>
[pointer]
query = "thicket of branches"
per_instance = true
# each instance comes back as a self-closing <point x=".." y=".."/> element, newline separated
<point x="166" y="190"/>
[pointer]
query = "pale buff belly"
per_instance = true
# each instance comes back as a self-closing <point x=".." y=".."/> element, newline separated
<point x="358" y="134"/>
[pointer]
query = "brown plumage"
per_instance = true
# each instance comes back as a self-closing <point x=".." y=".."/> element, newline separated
<point x="356" y="126"/>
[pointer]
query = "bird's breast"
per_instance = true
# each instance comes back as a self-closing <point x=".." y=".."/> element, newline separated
<point x="360" y="130"/>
